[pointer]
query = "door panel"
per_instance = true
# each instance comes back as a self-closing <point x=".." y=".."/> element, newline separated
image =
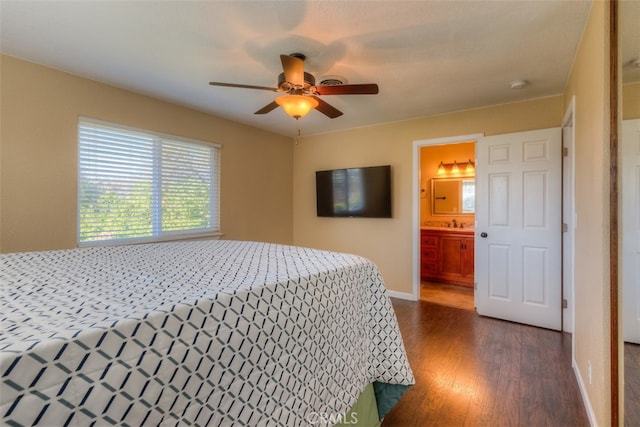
<point x="534" y="273"/>
<point x="535" y="186"/>
<point x="630" y="207"/>
<point x="499" y="199"/>
<point x="518" y="263"/>
<point x="498" y="271"/>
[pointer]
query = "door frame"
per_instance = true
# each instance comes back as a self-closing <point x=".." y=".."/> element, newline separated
<point x="569" y="217"/>
<point x="568" y="267"/>
<point x="417" y="145"/>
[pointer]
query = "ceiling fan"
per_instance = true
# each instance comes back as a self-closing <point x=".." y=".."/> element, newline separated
<point x="302" y="92"/>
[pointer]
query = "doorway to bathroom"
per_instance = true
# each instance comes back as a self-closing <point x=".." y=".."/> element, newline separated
<point x="447" y="221"/>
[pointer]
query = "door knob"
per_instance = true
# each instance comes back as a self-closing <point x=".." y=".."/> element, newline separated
<point x="483" y="234"/>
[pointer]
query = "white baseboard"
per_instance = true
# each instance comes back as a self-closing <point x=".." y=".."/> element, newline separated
<point x="402" y="295"/>
<point x="585" y="396"/>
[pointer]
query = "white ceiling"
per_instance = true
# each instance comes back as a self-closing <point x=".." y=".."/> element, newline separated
<point x="428" y="57"/>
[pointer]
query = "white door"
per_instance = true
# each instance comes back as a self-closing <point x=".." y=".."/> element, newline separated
<point x="518" y="249"/>
<point x="630" y="238"/>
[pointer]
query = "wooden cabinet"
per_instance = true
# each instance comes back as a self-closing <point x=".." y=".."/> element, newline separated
<point x="428" y="255"/>
<point x="447" y="256"/>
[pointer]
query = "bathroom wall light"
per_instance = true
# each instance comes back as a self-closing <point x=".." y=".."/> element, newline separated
<point x="456" y="168"/>
<point x="471" y="168"/>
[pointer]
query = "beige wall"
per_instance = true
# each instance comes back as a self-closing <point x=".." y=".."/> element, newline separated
<point x="631" y="101"/>
<point x="430" y="158"/>
<point x="38" y="136"/>
<point x="589" y="83"/>
<point x="388" y="242"/>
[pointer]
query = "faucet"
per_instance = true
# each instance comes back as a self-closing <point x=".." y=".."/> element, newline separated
<point x="455" y="224"/>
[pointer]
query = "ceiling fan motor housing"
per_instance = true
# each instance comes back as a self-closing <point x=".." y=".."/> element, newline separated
<point x="285" y="86"/>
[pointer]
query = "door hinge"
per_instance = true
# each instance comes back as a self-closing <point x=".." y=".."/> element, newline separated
<point x="565" y="228"/>
<point x="565" y="304"/>
<point x="475" y="286"/>
<point x="565" y="152"/>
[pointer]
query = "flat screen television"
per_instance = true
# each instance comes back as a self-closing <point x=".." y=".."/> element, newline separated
<point x="354" y="192"/>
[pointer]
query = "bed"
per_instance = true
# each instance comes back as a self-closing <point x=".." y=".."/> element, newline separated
<point x="195" y="333"/>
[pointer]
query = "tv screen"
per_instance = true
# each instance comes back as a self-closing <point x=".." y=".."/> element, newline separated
<point x="355" y="192"/>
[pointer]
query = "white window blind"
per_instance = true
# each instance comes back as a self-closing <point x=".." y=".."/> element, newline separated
<point x="139" y="186"/>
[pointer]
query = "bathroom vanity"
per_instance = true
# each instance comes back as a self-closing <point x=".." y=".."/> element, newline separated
<point x="446" y="255"/>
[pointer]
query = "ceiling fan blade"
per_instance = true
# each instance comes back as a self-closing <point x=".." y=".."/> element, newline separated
<point x="293" y="69"/>
<point x="361" y="89"/>
<point x="267" y="108"/>
<point x="272" y="89"/>
<point x="326" y="109"/>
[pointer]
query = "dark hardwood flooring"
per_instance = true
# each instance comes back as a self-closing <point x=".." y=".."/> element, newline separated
<point x="477" y="371"/>
<point x="631" y="385"/>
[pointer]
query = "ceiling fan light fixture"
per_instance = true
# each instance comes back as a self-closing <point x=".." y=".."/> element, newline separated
<point x="297" y="106"/>
<point x="301" y="91"/>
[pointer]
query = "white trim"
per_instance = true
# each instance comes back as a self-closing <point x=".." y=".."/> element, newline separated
<point x="569" y="121"/>
<point x="585" y="396"/>
<point x="569" y="238"/>
<point x="401" y="295"/>
<point x="415" y="199"/>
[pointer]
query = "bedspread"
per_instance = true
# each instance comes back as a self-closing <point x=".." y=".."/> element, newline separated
<point x="192" y="333"/>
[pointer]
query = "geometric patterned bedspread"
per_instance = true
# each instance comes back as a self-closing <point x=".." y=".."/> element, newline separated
<point x="192" y="333"/>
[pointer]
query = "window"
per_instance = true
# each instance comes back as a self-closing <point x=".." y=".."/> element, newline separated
<point x="137" y="186"/>
<point x="468" y="195"/>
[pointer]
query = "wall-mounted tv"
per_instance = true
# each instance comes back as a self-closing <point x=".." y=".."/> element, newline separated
<point x="354" y="192"/>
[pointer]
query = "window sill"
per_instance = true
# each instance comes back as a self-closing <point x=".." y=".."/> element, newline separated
<point x="215" y="235"/>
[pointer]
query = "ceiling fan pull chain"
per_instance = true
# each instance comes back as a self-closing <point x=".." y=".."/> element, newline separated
<point x="297" y="138"/>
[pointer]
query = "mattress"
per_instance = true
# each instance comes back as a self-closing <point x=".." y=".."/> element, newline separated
<point x="194" y="333"/>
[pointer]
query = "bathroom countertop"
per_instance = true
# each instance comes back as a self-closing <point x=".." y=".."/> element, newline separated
<point x="464" y="229"/>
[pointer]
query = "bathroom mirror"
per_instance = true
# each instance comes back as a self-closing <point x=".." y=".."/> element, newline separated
<point x="453" y="196"/>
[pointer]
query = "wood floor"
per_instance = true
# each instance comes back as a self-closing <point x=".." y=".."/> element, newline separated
<point x="477" y="371"/>
<point x="450" y="295"/>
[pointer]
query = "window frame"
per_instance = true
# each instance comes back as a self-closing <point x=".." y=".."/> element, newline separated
<point x="158" y="234"/>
